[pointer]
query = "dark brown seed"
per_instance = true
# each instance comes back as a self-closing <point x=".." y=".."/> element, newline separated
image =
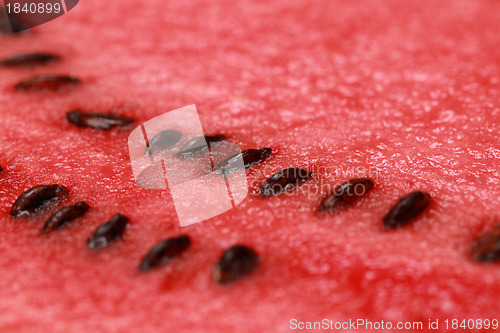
<point x="1" y="169"/>
<point x="250" y="157"/>
<point x="65" y="215"/>
<point x="197" y="145"/>
<point x="346" y="193"/>
<point x="406" y="209"/>
<point x="29" y="60"/>
<point x="164" y="252"/>
<point x="98" y="121"/>
<point x="487" y="248"/>
<point x="108" y="232"/>
<point x="15" y="24"/>
<point x="237" y="262"/>
<point x="38" y="197"/>
<point x="163" y="141"/>
<point x="48" y="82"/>
<point x="283" y="181"/>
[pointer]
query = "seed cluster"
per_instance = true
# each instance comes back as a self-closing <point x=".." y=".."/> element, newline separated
<point x="237" y="261"/>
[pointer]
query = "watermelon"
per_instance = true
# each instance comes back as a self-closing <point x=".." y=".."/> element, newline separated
<point x="402" y="93"/>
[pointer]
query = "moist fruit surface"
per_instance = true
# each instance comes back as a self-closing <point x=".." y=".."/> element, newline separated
<point x="405" y="93"/>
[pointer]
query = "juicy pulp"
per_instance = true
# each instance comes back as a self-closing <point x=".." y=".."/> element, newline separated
<point x="405" y="93"/>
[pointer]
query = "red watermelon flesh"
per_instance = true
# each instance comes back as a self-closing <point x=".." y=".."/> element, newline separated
<point x="405" y="93"/>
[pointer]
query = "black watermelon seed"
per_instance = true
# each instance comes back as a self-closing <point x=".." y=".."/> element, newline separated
<point x="29" y="60"/>
<point x="38" y="197"/>
<point x="250" y="157"/>
<point x="108" y="232"/>
<point x="65" y="215"/>
<point x="48" y="82"/>
<point x="283" y="181"/>
<point x="98" y="121"/>
<point x="1" y="169"/>
<point x="197" y="145"/>
<point x="487" y="248"/>
<point x="15" y="24"/>
<point x="346" y="193"/>
<point x="237" y="262"/>
<point x="164" y="252"/>
<point x="163" y="141"/>
<point x="406" y="209"/>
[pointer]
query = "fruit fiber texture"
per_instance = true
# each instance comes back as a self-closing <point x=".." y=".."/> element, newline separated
<point x="403" y="92"/>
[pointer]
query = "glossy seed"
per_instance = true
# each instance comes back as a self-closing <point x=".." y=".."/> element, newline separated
<point x="164" y="252"/>
<point x="98" y="121"/>
<point x="406" y="209"/>
<point x="487" y="248"/>
<point x="1" y="169"/>
<point x="108" y="232"/>
<point x="346" y="193"/>
<point x="65" y="215"/>
<point x="283" y="181"/>
<point x="48" y="82"/>
<point x="38" y="197"/>
<point x="237" y="262"/>
<point x="250" y="157"/>
<point x="197" y="145"/>
<point x="29" y="60"/>
<point x="163" y="141"/>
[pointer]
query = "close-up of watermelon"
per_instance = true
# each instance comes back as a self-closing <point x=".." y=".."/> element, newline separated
<point x="370" y="136"/>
